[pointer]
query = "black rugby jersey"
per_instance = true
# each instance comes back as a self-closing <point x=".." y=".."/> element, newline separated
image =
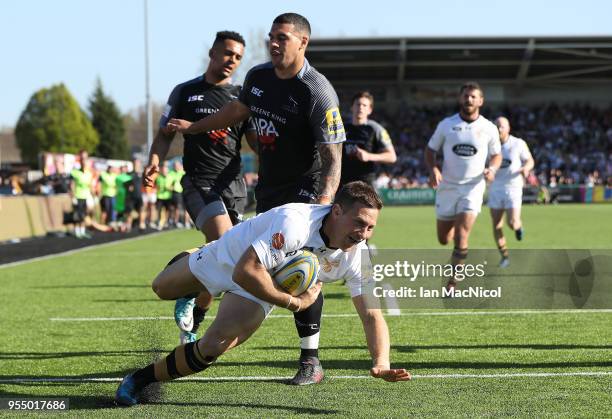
<point x="214" y="154"/>
<point x="291" y="116"/>
<point x="371" y="137"/>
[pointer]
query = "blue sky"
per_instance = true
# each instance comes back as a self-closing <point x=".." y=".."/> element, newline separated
<point x="74" y="42"/>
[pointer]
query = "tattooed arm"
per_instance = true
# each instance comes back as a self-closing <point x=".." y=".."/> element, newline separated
<point x="331" y="163"/>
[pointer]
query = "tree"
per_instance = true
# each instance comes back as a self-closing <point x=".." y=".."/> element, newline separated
<point x="108" y="122"/>
<point x="53" y="121"/>
<point x="135" y="121"/>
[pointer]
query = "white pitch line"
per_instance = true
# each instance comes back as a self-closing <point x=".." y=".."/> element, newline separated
<point x="406" y="313"/>
<point x="333" y="377"/>
<point x="80" y="249"/>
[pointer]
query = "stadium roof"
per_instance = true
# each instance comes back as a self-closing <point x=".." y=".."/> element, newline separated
<point x="412" y="61"/>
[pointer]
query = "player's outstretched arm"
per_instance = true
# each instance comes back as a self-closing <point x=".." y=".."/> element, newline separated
<point x="251" y="275"/>
<point x="331" y="164"/>
<point x="391" y="375"/>
<point x="377" y="337"/>
<point x="159" y="150"/>
<point x="231" y="114"/>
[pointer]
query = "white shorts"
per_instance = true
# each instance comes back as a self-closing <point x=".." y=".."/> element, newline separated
<point x="453" y="199"/>
<point x="149" y="197"/>
<point x="505" y="198"/>
<point x="218" y="278"/>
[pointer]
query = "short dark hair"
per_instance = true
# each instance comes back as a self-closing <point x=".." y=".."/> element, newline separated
<point x="225" y="35"/>
<point x="471" y="85"/>
<point x="358" y="191"/>
<point x="300" y="22"/>
<point x="364" y="94"/>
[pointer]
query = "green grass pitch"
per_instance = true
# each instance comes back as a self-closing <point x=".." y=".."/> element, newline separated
<point x="465" y="365"/>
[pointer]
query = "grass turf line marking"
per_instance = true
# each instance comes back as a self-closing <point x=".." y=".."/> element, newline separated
<point x="333" y="377"/>
<point x="408" y="314"/>
<point x="80" y="249"/>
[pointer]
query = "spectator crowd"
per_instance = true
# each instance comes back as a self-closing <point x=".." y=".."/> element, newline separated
<point x="571" y="144"/>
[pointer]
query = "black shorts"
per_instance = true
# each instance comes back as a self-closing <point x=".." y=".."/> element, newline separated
<point x="268" y="197"/>
<point x="107" y="204"/>
<point x="80" y="210"/>
<point x="204" y="199"/>
<point x="133" y="203"/>
<point x="163" y="203"/>
<point x="177" y="199"/>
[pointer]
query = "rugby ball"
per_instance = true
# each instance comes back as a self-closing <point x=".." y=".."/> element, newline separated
<point x="298" y="273"/>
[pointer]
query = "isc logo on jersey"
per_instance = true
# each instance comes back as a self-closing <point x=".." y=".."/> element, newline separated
<point x="195" y="98"/>
<point x="334" y="121"/>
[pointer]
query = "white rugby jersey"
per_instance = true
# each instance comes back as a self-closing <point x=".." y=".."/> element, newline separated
<point x="466" y="146"/>
<point x="514" y="153"/>
<point x="277" y="233"/>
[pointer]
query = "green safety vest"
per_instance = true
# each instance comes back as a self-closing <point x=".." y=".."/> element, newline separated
<point x="108" y="182"/>
<point x="164" y="186"/>
<point x="82" y="183"/>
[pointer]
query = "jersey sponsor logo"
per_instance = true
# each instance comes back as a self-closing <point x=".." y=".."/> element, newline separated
<point x="465" y="150"/>
<point x="457" y="128"/>
<point x="256" y="91"/>
<point x="278" y="240"/>
<point x="268" y="114"/>
<point x="334" y="121"/>
<point x="195" y="98"/>
<point x="219" y="136"/>
<point x="206" y="110"/>
<point x="328" y="265"/>
<point x="505" y="163"/>
<point x="266" y="133"/>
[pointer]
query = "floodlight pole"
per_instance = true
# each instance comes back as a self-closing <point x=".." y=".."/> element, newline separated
<point x="147" y="93"/>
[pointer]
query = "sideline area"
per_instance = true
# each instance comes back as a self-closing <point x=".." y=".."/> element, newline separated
<point x="29" y="249"/>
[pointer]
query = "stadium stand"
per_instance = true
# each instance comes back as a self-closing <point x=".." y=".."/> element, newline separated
<point x="555" y="91"/>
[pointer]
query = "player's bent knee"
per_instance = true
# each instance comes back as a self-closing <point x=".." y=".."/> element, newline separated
<point x="159" y="287"/>
<point x="163" y="287"/>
